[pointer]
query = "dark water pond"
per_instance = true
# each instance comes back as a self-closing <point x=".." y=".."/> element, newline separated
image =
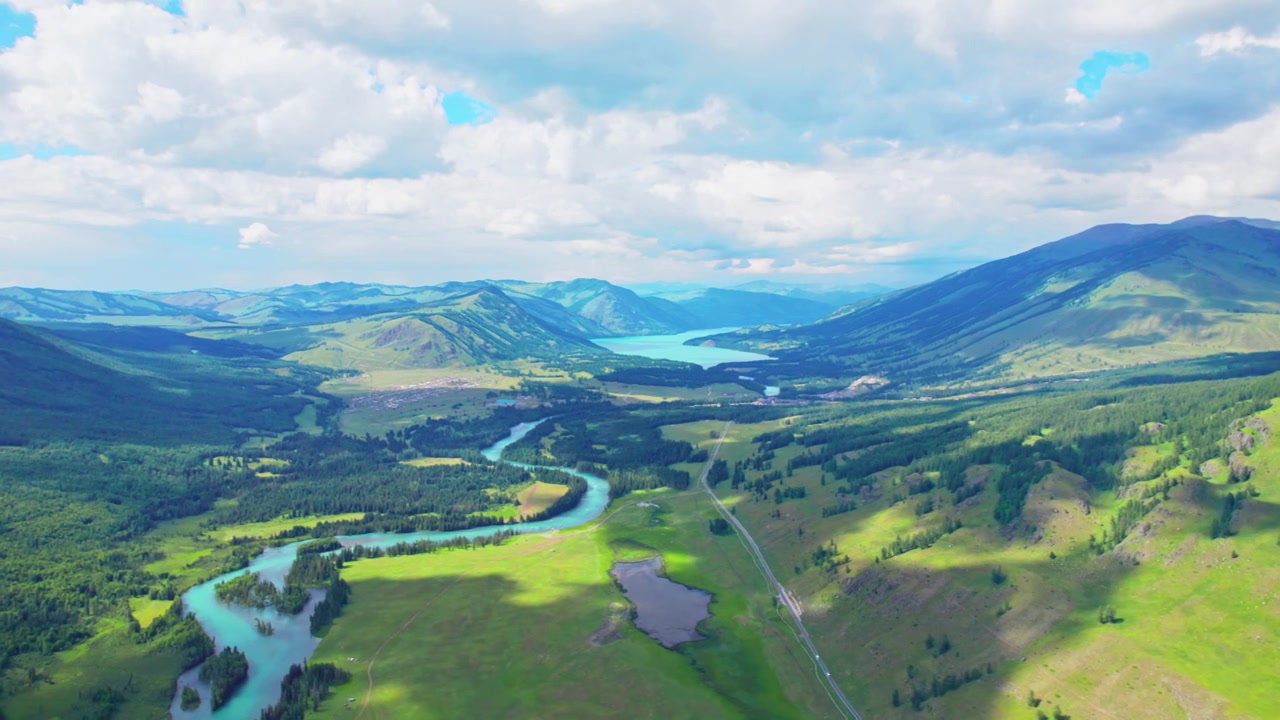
<point x="665" y="610"/>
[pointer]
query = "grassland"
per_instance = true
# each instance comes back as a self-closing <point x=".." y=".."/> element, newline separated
<point x="271" y="528"/>
<point x="1200" y="615"/>
<point x="111" y="658"/>
<point x="433" y="461"/>
<point x="539" y="496"/>
<point x="380" y="400"/>
<point x="531" y="629"/>
<point x="717" y="392"/>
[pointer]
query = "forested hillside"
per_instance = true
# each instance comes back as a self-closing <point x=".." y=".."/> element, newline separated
<point x="1108" y="552"/>
<point x="137" y="385"/>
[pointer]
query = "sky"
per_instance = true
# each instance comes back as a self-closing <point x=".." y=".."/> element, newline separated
<point x="198" y="143"/>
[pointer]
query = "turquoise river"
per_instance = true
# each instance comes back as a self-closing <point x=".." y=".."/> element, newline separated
<point x="292" y="643"/>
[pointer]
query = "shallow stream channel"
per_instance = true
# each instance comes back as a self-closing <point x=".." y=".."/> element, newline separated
<point x="292" y="643"/>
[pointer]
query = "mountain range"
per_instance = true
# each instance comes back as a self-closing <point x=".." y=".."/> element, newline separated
<point x="351" y="325"/>
<point x="1112" y="296"/>
<point x="587" y="307"/>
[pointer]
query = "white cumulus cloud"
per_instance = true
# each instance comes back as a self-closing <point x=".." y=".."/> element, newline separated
<point x="254" y="235"/>
<point x="1235" y="40"/>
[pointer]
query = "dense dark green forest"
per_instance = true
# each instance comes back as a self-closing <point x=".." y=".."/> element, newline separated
<point x="69" y="513"/>
<point x="332" y="474"/>
<point x="225" y="672"/>
<point x="624" y="445"/>
<point x="303" y="688"/>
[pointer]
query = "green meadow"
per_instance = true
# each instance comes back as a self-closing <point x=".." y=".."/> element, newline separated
<point x="536" y="628"/>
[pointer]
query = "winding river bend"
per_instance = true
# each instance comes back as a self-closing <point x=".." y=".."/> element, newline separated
<point x="292" y="643"/>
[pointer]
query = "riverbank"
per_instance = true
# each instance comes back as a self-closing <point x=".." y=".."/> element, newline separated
<point x="292" y="643"/>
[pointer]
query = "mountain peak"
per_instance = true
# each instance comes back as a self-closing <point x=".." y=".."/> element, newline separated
<point x="1201" y="220"/>
<point x="1111" y="296"/>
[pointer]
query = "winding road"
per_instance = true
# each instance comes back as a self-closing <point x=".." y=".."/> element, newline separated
<point x="781" y="592"/>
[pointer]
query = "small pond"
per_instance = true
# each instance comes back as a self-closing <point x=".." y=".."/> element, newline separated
<point x="665" y="610"/>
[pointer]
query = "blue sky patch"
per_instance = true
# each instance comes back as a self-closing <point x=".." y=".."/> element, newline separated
<point x="9" y="151"/>
<point x="462" y="109"/>
<point x="1102" y="62"/>
<point x="14" y="25"/>
<point x="173" y="7"/>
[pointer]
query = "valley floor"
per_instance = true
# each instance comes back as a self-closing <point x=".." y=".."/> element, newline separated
<point x="536" y="628"/>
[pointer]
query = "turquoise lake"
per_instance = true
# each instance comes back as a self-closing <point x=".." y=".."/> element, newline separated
<point x="672" y="347"/>
<point x="292" y="643"/>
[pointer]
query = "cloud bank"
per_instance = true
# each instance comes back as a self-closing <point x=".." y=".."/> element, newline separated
<point x="710" y="140"/>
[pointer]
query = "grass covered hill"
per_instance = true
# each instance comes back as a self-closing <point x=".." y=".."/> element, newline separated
<point x="616" y="309"/>
<point x="1112" y="296"/>
<point x="476" y="328"/>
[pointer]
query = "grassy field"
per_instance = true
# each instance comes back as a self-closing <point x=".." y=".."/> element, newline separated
<point x="433" y="461"/>
<point x="270" y="528"/>
<point x="531" y="629"/>
<point x="379" y="400"/>
<point x="145" y="610"/>
<point x="539" y="496"/>
<point x="718" y="392"/>
<point x="1200" y="616"/>
<point x="110" y="658"/>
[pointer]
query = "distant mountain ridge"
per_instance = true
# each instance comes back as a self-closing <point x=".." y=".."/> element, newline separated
<point x="586" y="307"/>
<point x="744" y="308"/>
<point x="1111" y="296"/>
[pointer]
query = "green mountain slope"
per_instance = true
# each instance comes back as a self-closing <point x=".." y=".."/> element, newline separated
<point x="480" y="327"/>
<point x="618" y="310"/>
<point x="1113" y="296"/>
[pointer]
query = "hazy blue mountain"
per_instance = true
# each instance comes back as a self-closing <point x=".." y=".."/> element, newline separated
<point x="717" y="307"/>
<point x="586" y="307"/>
<point x="830" y="294"/>
<point x="37" y="304"/>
